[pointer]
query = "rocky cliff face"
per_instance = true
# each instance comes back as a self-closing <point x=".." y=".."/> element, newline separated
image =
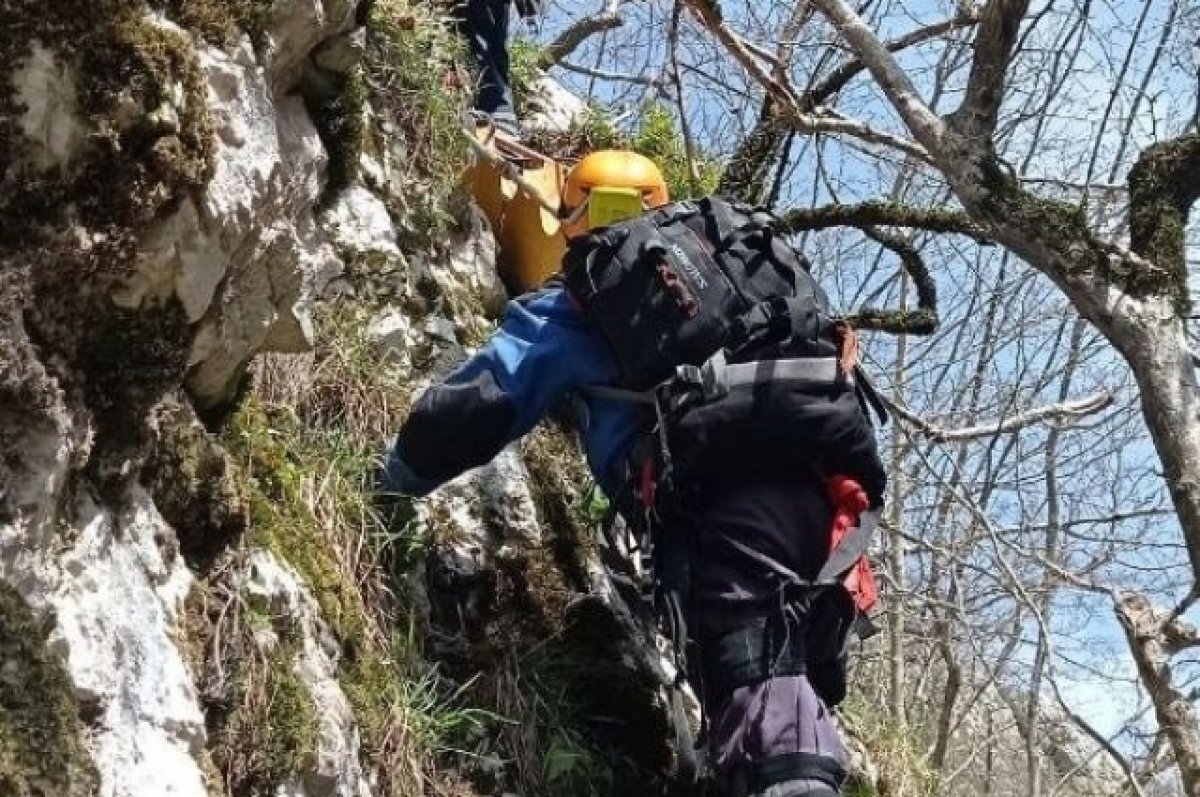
<point x="196" y="595"/>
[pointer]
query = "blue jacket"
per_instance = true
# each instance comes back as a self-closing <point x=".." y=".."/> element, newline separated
<point x="543" y="351"/>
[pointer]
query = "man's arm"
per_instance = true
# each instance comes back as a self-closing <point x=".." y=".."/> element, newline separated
<point x="543" y="350"/>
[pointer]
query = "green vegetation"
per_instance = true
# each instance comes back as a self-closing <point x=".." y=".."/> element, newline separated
<point x="221" y="22"/>
<point x="898" y="753"/>
<point x="337" y="111"/>
<point x="418" y="92"/>
<point x="306" y="439"/>
<point x="656" y="135"/>
<point x="540" y="691"/>
<point x="523" y="70"/>
<point x="41" y="735"/>
<point x="407" y="716"/>
<point x="271" y="733"/>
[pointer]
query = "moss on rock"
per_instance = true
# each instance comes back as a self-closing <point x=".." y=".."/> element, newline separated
<point x="337" y="109"/>
<point x="265" y="442"/>
<point x="141" y="95"/>
<point x="270" y="732"/>
<point x="41" y="736"/>
<point x="195" y="485"/>
<point x="221" y="22"/>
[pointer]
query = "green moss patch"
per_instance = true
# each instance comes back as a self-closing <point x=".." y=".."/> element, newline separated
<point x="221" y="22"/>
<point x="307" y="451"/>
<point x="270" y="734"/>
<point x="140" y="89"/>
<point x="1163" y="186"/>
<point x="263" y="441"/>
<point x="195" y="486"/>
<point x="141" y="94"/>
<point x="41" y="736"/>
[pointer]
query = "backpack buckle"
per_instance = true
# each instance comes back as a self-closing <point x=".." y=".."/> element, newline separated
<point x="708" y="380"/>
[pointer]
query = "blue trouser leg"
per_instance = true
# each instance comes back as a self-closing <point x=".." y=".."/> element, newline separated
<point x="484" y="23"/>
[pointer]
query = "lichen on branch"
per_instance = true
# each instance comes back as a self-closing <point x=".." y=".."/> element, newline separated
<point x="882" y="213"/>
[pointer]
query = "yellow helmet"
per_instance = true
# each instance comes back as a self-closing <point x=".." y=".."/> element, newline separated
<point x="609" y="186"/>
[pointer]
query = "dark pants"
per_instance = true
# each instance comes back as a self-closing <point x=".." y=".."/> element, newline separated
<point x="484" y="24"/>
<point x="789" y="524"/>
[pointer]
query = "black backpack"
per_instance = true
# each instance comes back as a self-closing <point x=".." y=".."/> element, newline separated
<point x="717" y="323"/>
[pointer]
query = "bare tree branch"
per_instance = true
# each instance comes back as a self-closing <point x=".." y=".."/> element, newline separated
<point x="745" y="176"/>
<point x="895" y="83"/>
<point x="880" y="213"/>
<point x="689" y="145"/>
<point x="994" y="40"/>
<point x="570" y="39"/>
<point x="843" y="74"/>
<point x="1055" y="413"/>
<point x="620" y="77"/>
<point x="790" y="109"/>
<point x="708" y="12"/>
<point x="1152" y="649"/>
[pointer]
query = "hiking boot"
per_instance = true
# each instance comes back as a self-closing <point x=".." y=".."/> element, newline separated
<point x="507" y="124"/>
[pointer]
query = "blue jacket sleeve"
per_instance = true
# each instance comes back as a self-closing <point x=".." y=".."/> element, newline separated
<point x="543" y="350"/>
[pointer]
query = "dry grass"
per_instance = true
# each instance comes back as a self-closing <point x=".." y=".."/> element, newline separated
<point x="308" y="437"/>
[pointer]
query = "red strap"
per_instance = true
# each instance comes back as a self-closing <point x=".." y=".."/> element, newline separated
<point x="648" y="483"/>
<point x="849" y="501"/>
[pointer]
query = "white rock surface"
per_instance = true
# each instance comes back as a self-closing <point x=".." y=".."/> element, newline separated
<point x="245" y="258"/>
<point x="470" y="268"/>
<point x="116" y="592"/>
<point x="552" y="107"/>
<point x="474" y="517"/>
<point x="47" y="89"/>
<point x="297" y="28"/>
<point x="359" y="221"/>
<point x="337" y="772"/>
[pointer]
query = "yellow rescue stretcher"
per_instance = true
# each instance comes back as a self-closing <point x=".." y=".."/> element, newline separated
<point x="520" y="192"/>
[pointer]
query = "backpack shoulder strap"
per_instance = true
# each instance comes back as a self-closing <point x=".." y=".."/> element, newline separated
<point x="619" y="394"/>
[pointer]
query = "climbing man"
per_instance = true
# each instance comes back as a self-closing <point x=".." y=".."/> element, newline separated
<point x="724" y="412"/>
<point x="484" y="24"/>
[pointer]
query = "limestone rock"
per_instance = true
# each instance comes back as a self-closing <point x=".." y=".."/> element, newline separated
<point x="468" y="275"/>
<point x="342" y="53"/>
<point x="51" y="123"/>
<point x="336" y="771"/>
<point x="552" y="108"/>
<point x="359" y="222"/>
<point x="244" y="258"/>
<point x="297" y="28"/>
<point x="116" y="592"/>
